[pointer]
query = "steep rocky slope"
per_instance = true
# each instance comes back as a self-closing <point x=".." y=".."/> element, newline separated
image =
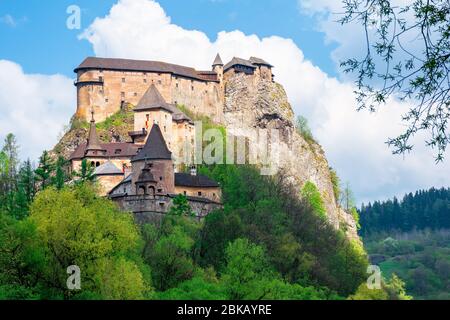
<point x="263" y="104"/>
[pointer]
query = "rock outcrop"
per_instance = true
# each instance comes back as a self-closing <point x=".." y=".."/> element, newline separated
<point x="263" y="104"/>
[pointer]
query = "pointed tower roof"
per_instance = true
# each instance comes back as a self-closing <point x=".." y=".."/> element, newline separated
<point x="155" y="148"/>
<point x="93" y="143"/>
<point x="152" y="99"/>
<point x="217" y="61"/>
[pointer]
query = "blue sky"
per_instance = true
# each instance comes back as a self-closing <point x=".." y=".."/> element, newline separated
<point x="40" y="42"/>
<point x="299" y="37"/>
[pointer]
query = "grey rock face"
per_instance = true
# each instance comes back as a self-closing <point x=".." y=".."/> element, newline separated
<point x="252" y="103"/>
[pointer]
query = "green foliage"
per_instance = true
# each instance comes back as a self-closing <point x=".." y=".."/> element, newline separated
<point x="420" y="258"/>
<point x="394" y="289"/>
<point x="44" y="170"/>
<point x="421" y="210"/>
<point x="303" y="129"/>
<point x="197" y="288"/>
<point x="168" y="250"/>
<point x="406" y="56"/>
<point x="336" y="184"/>
<point x="181" y="207"/>
<point x="76" y="227"/>
<point x="60" y="177"/>
<point x="86" y="173"/>
<point x="117" y="120"/>
<point x="355" y="215"/>
<point x="299" y="244"/>
<point x="312" y="195"/>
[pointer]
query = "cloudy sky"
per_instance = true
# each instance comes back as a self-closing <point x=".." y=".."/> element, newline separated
<point x="300" y="37"/>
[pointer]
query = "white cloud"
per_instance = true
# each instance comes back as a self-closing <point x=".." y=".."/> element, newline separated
<point x="354" y="142"/>
<point x="8" y="20"/>
<point x="34" y="107"/>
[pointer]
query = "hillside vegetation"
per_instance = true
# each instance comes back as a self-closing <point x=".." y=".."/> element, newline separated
<point x="411" y="238"/>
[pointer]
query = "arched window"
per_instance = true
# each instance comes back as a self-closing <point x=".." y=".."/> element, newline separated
<point x="97" y="164"/>
<point x="141" y="190"/>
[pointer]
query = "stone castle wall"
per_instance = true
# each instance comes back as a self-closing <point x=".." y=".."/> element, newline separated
<point x="104" y="91"/>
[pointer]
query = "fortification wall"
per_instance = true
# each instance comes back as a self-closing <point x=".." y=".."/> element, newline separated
<point x="105" y="90"/>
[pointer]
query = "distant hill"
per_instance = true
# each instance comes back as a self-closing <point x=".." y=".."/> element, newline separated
<point x="422" y="210"/>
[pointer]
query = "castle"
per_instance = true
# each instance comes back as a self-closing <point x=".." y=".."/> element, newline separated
<point x="140" y="175"/>
<point x="106" y="84"/>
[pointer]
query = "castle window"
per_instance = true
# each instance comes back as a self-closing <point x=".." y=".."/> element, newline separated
<point x="118" y="151"/>
<point x="192" y="88"/>
<point x="145" y="80"/>
<point x="165" y="129"/>
<point x="159" y="81"/>
<point x="97" y="164"/>
<point x="184" y="192"/>
<point x="135" y="94"/>
<point x="199" y="193"/>
<point x="160" y="178"/>
<point x="122" y="95"/>
<point x="92" y="164"/>
<point x="100" y="79"/>
<point x="177" y="85"/>
<point x="123" y="80"/>
<point x="159" y="190"/>
<point x="106" y="100"/>
<point x="101" y="91"/>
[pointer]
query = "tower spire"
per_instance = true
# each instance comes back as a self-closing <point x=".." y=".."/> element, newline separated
<point x="217" y="61"/>
<point x="93" y="143"/>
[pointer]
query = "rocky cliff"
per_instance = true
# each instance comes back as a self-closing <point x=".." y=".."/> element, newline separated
<point x="251" y="104"/>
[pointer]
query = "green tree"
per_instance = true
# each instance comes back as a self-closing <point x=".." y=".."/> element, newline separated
<point x="45" y="170"/>
<point x="314" y="198"/>
<point x="408" y="56"/>
<point x="60" y="177"/>
<point x="169" y="250"/>
<point x="11" y="151"/>
<point x="336" y="184"/>
<point x="302" y="127"/>
<point x="86" y="173"/>
<point x="347" y="199"/>
<point x="21" y="259"/>
<point x="181" y="207"/>
<point x="76" y="227"/>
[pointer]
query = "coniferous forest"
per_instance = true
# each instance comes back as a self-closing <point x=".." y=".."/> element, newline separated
<point x="411" y="238"/>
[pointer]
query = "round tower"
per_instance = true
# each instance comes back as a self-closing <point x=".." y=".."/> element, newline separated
<point x="217" y="67"/>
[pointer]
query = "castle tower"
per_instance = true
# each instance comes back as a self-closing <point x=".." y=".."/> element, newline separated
<point x="153" y="109"/>
<point x="155" y="159"/>
<point x="217" y="67"/>
<point x="93" y="147"/>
